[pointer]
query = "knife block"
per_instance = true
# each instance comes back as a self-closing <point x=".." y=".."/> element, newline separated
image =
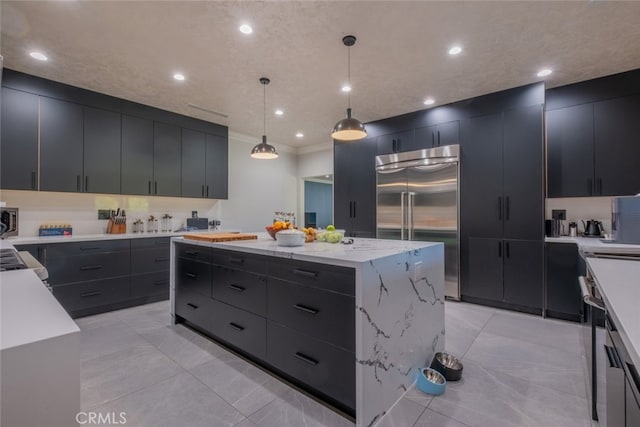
<point x="113" y="228"/>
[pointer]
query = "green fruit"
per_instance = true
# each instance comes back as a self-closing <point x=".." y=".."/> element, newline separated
<point x="334" y="237"/>
<point x="330" y="227"/>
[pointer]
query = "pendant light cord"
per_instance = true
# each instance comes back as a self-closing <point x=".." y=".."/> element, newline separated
<point x="349" y="76"/>
<point x="264" y="110"/>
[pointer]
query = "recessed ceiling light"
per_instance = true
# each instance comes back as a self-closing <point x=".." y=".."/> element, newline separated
<point x="429" y="101"/>
<point x="299" y="135"/>
<point x="279" y="112"/>
<point x="245" y="29"/>
<point x="39" y="56"/>
<point x="327" y="176"/>
<point x="346" y="88"/>
<point x="544" y="72"/>
<point x="455" y="50"/>
<point x="178" y="76"/>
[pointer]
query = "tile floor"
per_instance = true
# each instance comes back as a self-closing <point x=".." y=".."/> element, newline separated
<point x="519" y="370"/>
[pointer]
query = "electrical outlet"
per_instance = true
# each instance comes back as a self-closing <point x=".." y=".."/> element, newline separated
<point x="559" y="214"/>
<point x="104" y="213"/>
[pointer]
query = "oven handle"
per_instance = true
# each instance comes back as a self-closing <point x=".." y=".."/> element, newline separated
<point x="587" y="297"/>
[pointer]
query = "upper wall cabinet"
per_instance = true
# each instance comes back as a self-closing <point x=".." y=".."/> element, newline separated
<point x="438" y="135"/>
<point x="137" y="155"/>
<point x="19" y="143"/>
<point x="395" y="142"/>
<point x="217" y="168"/>
<point x="101" y="151"/>
<point x="166" y="159"/>
<point x="193" y="163"/>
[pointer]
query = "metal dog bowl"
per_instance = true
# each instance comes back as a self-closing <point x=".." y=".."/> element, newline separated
<point x="449" y="366"/>
<point x="431" y="381"/>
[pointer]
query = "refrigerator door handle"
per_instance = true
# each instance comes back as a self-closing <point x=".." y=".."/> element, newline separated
<point x="410" y="202"/>
<point x="402" y="224"/>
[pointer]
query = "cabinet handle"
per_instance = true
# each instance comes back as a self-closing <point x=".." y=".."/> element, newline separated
<point x="91" y="294"/>
<point x="613" y="360"/>
<point x="393" y="145"/>
<point x="499" y="249"/>
<point x="506" y="249"/>
<point x="207" y="191"/>
<point x="438" y="138"/>
<point x="202" y="191"/>
<point x="305" y="273"/>
<point x="350" y="209"/>
<point x="354" y="208"/>
<point x="306" y="309"/>
<point x="192" y="253"/>
<point x="600" y="186"/>
<point x="236" y="327"/>
<point x="236" y="288"/>
<point x="78" y="182"/>
<point x="86" y="183"/>
<point x="33" y="180"/>
<point x="90" y="248"/>
<point x="149" y="186"/>
<point x="433" y="139"/>
<point x="191" y="275"/>
<point x="500" y="208"/>
<point x="506" y="208"/>
<point x="90" y="267"/>
<point x="161" y="282"/>
<point x="590" y="186"/>
<point x="192" y="306"/>
<point x="156" y="187"/>
<point x="161" y="259"/>
<point x="306" y="359"/>
<point x="237" y="261"/>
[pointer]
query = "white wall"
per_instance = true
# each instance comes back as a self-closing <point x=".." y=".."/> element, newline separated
<point x="586" y="208"/>
<point x="315" y="161"/>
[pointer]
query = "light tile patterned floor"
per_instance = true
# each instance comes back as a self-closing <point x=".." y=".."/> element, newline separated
<point x="519" y="370"/>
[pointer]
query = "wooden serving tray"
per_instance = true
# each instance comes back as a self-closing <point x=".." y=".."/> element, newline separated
<point x="220" y="237"/>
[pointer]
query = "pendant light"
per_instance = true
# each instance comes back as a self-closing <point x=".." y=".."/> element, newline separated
<point x="264" y="150"/>
<point x="349" y="129"/>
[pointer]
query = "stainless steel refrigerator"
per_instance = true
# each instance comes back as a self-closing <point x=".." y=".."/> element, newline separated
<point x="417" y="199"/>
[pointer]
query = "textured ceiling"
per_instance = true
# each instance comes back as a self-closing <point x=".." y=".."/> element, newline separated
<point x="131" y="50"/>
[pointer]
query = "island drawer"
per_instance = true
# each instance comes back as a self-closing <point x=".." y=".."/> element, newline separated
<point x="194" y="276"/>
<point x="328" y="369"/>
<point x="324" y="276"/>
<point x="194" y="252"/>
<point x="79" y="296"/>
<point x="150" y="284"/>
<point x="58" y="250"/>
<point x="150" y="242"/>
<point x="195" y="308"/>
<point x="82" y="268"/>
<point x="241" y="289"/>
<point x="240" y="328"/>
<point x="240" y="260"/>
<point x="328" y="316"/>
<point x="149" y="260"/>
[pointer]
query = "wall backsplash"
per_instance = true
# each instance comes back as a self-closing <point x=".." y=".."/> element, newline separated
<point x="598" y="208"/>
<point x="81" y="210"/>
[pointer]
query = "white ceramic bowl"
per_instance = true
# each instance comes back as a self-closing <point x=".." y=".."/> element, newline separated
<point x="290" y="238"/>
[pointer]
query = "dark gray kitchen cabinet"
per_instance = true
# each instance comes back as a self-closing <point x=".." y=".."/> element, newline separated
<point x="437" y="135"/>
<point x="570" y="145"/>
<point x="137" y="156"/>
<point x="395" y="142"/>
<point x="19" y="140"/>
<point x="483" y="259"/>
<point x="193" y="163"/>
<point x="523" y="273"/>
<point x="354" y="202"/>
<point x="617" y="148"/>
<point x="102" y="151"/>
<point x="150" y="268"/>
<point x="61" y="145"/>
<point x="166" y="159"/>
<point x="217" y="168"/>
<point x="563" y="299"/>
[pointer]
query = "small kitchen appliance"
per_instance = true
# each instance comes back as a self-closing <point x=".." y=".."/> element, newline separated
<point x="8" y="222"/>
<point x="552" y="227"/>
<point x="592" y="228"/>
<point x="625" y="219"/>
<point x="573" y="229"/>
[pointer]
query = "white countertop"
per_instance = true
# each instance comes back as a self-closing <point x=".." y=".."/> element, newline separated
<point x="593" y="244"/>
<point x="362" y="250"/>
<point x="619" y="284"/>
<point x="28" y="311"/>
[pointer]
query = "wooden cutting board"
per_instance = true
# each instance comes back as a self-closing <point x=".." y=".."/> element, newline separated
<point x="220" y="237"/>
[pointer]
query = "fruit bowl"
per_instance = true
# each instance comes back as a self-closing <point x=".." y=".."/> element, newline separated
<point x="271" y="231"/>
<point x="330" y="236"/>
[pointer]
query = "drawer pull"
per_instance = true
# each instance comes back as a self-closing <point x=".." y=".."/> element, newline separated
<point x="236" y="288"/>
<point x="192" y="306"/>
<point x="90" y="248"/>
<point x="236" y="260"/>
<point x="91" y="294"/>
<point x="191" y="275"/>
<point x="162" y="259"/>
<point x="192" y="253"/>
<point x="306" y="309"/>
<point x="306" y="359"/>
<point x="236" y="327"/>
<point x="305" y="273"/>
<point x="161" y="282"/>
<point x="91" y="267"/>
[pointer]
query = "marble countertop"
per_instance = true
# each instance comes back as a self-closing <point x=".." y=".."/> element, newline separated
<point x="361" y="251"/>
<point x="590" y="245"/>
<point x="29" y="312"/>
<point x="619" y="285"/>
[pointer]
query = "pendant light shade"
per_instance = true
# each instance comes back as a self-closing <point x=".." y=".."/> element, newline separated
<point x="349" y="128"/>
<point x="264" y="150"/>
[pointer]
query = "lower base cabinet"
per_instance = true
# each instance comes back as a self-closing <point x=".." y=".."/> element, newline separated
<point x="244" y="330"/>
<point x="77" y="298"/>
<point x="194" y="307"/>
<point x="563" y="299"/>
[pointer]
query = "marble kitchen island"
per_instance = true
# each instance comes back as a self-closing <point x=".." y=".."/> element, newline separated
<point x="352" y="324"/>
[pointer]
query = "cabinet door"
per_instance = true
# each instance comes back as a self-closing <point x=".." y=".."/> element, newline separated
<point x="483" y="260"/>
<point x="217" y="167"/>
<point x="563" y="298"/>
<point x="570" y="151"/>
<point x="166" y="159"/>
<point x="617" y="149"/>
<point x="137" y="155"/>
<point x="425" y="137"/>
<point x="363" y="188"/>
<point x="395" y="142"/>
<point x="61" y="151"/>
<point x="19" y="147"/>
<point x="101" y="151"/>
<point x="342" y="203"/>
<point x="447" y="134"/>
<point x="193" y="163"/>
<point x="523" y="154"/>
<point x="523" y="278"/>
<point x="481" y="169"/>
